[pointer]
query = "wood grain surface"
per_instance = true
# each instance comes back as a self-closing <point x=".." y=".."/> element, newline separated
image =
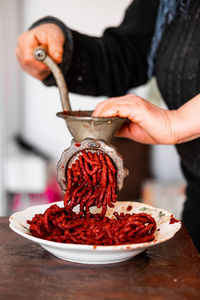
<point x="167" y="271"/>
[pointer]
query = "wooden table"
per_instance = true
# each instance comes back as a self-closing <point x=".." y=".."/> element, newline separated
<point x="167" y="271"/>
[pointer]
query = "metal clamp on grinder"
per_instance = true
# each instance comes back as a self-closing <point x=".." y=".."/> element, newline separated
<point x="89" y="133"/>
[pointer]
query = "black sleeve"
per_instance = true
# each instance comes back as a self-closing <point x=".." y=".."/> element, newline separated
<point x="114" y="63"/>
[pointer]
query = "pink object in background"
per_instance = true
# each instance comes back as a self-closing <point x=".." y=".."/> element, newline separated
<point x="52" y="193"/>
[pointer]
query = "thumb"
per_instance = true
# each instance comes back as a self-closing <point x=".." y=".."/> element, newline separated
<point x="124" y="131"/>
<point x="55" y="48"/>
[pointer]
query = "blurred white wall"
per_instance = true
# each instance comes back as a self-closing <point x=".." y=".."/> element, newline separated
<point x="10" y="84"/>
<point x="41" y="126"/>
<point x="2" y="138"/>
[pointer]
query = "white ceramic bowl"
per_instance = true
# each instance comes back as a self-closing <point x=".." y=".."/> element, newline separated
<point x="89" y="254"/>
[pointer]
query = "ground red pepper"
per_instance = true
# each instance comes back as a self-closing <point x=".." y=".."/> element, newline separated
<point x="94" y="173"/>
<point x="77" y="144"/>
<point x="173" y="220"/>
<point x="91" y="181"/>
<point x="129" y="208"/>
<point x="65" y="226"/>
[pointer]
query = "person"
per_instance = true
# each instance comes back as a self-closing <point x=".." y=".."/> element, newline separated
<point x="155" y="38"/>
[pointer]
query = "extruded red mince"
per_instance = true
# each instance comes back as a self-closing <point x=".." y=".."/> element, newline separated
<point x="173" y="220"/>
<point x="91" y="181"/>
<point x="129" y="208"/>
<point x="77" y="144"/>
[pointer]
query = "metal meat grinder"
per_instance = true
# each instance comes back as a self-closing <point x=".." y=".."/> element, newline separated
<point x="89" y="133"/>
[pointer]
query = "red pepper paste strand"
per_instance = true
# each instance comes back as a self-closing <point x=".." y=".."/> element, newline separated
<point x="92" y="181"/>
<point x="129" y="208"/>
<point x="65" y="226"/>
<point x="91" y="171"/>
<point x="173" y="220"/>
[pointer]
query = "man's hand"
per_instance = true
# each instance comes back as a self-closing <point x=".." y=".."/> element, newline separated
<point x="147" y="124"/>
<point x="49" y="36"/>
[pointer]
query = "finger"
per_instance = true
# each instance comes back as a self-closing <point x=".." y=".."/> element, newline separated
<point x="51" y="36"/>
<point x="26" y="45"/>
<point x="118" y="109"/>
<point x="108" y="102"/>
<point x="55" y="47"/>
<point x="98" y="109"/>
<point x="29" y="67"/>
<point x="39" y="75"/>
<point x="124" y="131"/>
<point x="103" y="108"/>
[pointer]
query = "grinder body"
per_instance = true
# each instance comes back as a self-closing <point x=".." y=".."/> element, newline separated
<point x="89" y="133"/>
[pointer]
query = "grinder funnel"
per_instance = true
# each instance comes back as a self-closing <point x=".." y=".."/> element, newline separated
<point x="82" y="125"/>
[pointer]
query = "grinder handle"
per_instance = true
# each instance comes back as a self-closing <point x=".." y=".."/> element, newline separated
<point x="40" y="54"/>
